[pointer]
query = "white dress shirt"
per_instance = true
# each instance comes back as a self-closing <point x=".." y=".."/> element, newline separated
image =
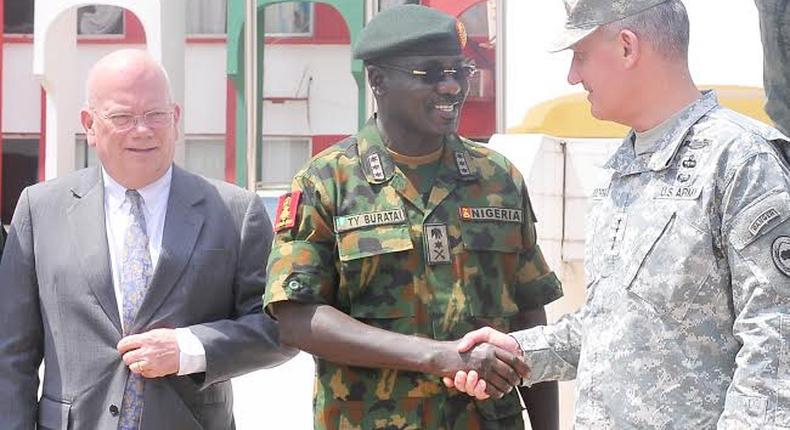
<point x="117" y="210"/>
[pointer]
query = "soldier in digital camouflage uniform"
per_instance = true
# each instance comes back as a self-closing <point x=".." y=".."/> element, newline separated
<point x="775" y="32"/>
<point x="397" y="241"/>
<point x="687" y="318"/>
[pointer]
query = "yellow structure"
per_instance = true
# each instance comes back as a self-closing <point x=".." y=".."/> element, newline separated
<point x="569" y="116"/>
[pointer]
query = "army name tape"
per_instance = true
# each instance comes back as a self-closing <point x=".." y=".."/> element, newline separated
<point x="351" y="222"/>
<point x="491" y="214"/>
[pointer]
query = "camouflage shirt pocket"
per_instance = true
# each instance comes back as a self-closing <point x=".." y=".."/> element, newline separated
<point x="488" y="264"/>
<point x="374" y="273"/>
<point x="670" y="264"/>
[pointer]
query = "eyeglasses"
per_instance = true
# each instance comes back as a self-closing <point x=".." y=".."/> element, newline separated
<point x="125" y="121"/>
<point x="437" y="73"/>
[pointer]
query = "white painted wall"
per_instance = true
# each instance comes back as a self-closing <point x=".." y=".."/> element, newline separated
<point x="725" y="49"/>
<point x="320" y="72"/>
<point x="21" y="92"/>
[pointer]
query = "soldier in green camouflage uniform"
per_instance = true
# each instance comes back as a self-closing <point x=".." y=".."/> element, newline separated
<point x="396" y="241"/>
<point x="687" y="318"/>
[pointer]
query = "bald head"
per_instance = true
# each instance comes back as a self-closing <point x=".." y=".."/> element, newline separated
<point x="130" y="117"/>
<point x="124" y="68"/>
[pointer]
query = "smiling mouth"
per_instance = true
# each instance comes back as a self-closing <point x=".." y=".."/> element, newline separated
<point x="446" y="107"/>
<point x="140" y="150"/>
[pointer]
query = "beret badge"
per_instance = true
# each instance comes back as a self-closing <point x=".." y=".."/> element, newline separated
<point x="462" y="36"/>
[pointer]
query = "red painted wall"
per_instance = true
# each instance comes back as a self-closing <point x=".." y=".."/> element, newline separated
<point x="321" y="142"/>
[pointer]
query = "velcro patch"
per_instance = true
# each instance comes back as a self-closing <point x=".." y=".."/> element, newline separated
<point x="491" y="214"/>
<point x="286" y="211"/>
<point x="355" y="221"/>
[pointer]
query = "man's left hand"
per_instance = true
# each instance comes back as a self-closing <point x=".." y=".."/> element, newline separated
<point x="152" y="354"/>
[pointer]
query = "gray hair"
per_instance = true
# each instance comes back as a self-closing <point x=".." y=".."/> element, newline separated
<point x="665" y="26"/>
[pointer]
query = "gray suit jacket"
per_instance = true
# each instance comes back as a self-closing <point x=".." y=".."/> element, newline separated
<point x="57" y="303"/>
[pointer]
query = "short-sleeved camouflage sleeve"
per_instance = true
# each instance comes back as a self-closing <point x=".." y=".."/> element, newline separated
<point x="535" y="285"/>
<point x="301" y="264"/>
<point x="756" y="225"/>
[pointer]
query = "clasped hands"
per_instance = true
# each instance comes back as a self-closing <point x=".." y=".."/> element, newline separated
<point x="496" y="364"/>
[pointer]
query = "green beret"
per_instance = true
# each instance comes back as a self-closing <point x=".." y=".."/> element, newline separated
<point x="410" y="30"/>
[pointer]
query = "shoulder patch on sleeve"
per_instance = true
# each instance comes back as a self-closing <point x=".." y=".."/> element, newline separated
<point x="760" y="218"/>
<point x="286" y="211"/>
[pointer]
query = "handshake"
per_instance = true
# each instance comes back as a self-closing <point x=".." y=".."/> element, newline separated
<point x="492" y="364"/>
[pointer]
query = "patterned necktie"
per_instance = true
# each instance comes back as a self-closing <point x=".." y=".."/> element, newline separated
<point x="135" y="273"/>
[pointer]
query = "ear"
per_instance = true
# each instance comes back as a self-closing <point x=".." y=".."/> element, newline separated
<point x="89" y="125"/>
<point x="176" y="117"/>
<point x="631" y="48"/>
<point x="376" y="80"/>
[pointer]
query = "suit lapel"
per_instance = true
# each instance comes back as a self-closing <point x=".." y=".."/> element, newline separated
<point x="183" y="223"/>
<point x="88" y="232"/>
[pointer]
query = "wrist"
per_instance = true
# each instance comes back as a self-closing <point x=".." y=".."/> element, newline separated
<point x="434" y="360"/>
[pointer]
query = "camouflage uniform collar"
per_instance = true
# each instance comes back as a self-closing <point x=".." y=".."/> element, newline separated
<point x="379" y="167"/>
<point x="623" y="159"/>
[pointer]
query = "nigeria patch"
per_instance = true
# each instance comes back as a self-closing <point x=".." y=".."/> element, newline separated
<point x="780" y="251"/>
<point x="491" y="214"/>
<point x="355" y="221"/>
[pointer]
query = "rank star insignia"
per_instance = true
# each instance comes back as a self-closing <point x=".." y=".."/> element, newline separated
<point x="780" y="251"/>
<point x="463" y="166"/>
<point x="376" y="169"/>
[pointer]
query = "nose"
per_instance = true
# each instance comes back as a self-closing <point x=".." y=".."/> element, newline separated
<point x="448" y="85"/>
<point x="573" y="74"/>
<point x="139" y="124"/>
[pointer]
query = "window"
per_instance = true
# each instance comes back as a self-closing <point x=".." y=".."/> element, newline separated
<point x="282" y="157"/>
<point x="18" y="18"/>
<point x="208" y="18"/>
<point x="288" y="19"/>
<point x="20" y="169"/>
<point x="100" y="20"/>
<point x="91" y="20"/>
<point x="205" y="155"/>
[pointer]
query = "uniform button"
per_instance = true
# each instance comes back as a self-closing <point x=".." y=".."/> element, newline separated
<point x="114" y="410"/>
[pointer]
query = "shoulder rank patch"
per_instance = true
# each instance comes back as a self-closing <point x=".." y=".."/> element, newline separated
<point x="355" y="221"/>
<point x="376" y="168"/>
<point x="462" y="164"/>
<point x="286" y="211"/>
<point x="491" y="214"/>
<point x="781" y="254"/>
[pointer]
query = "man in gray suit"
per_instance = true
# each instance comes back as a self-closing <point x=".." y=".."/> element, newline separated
<point x="138" y="283"/>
